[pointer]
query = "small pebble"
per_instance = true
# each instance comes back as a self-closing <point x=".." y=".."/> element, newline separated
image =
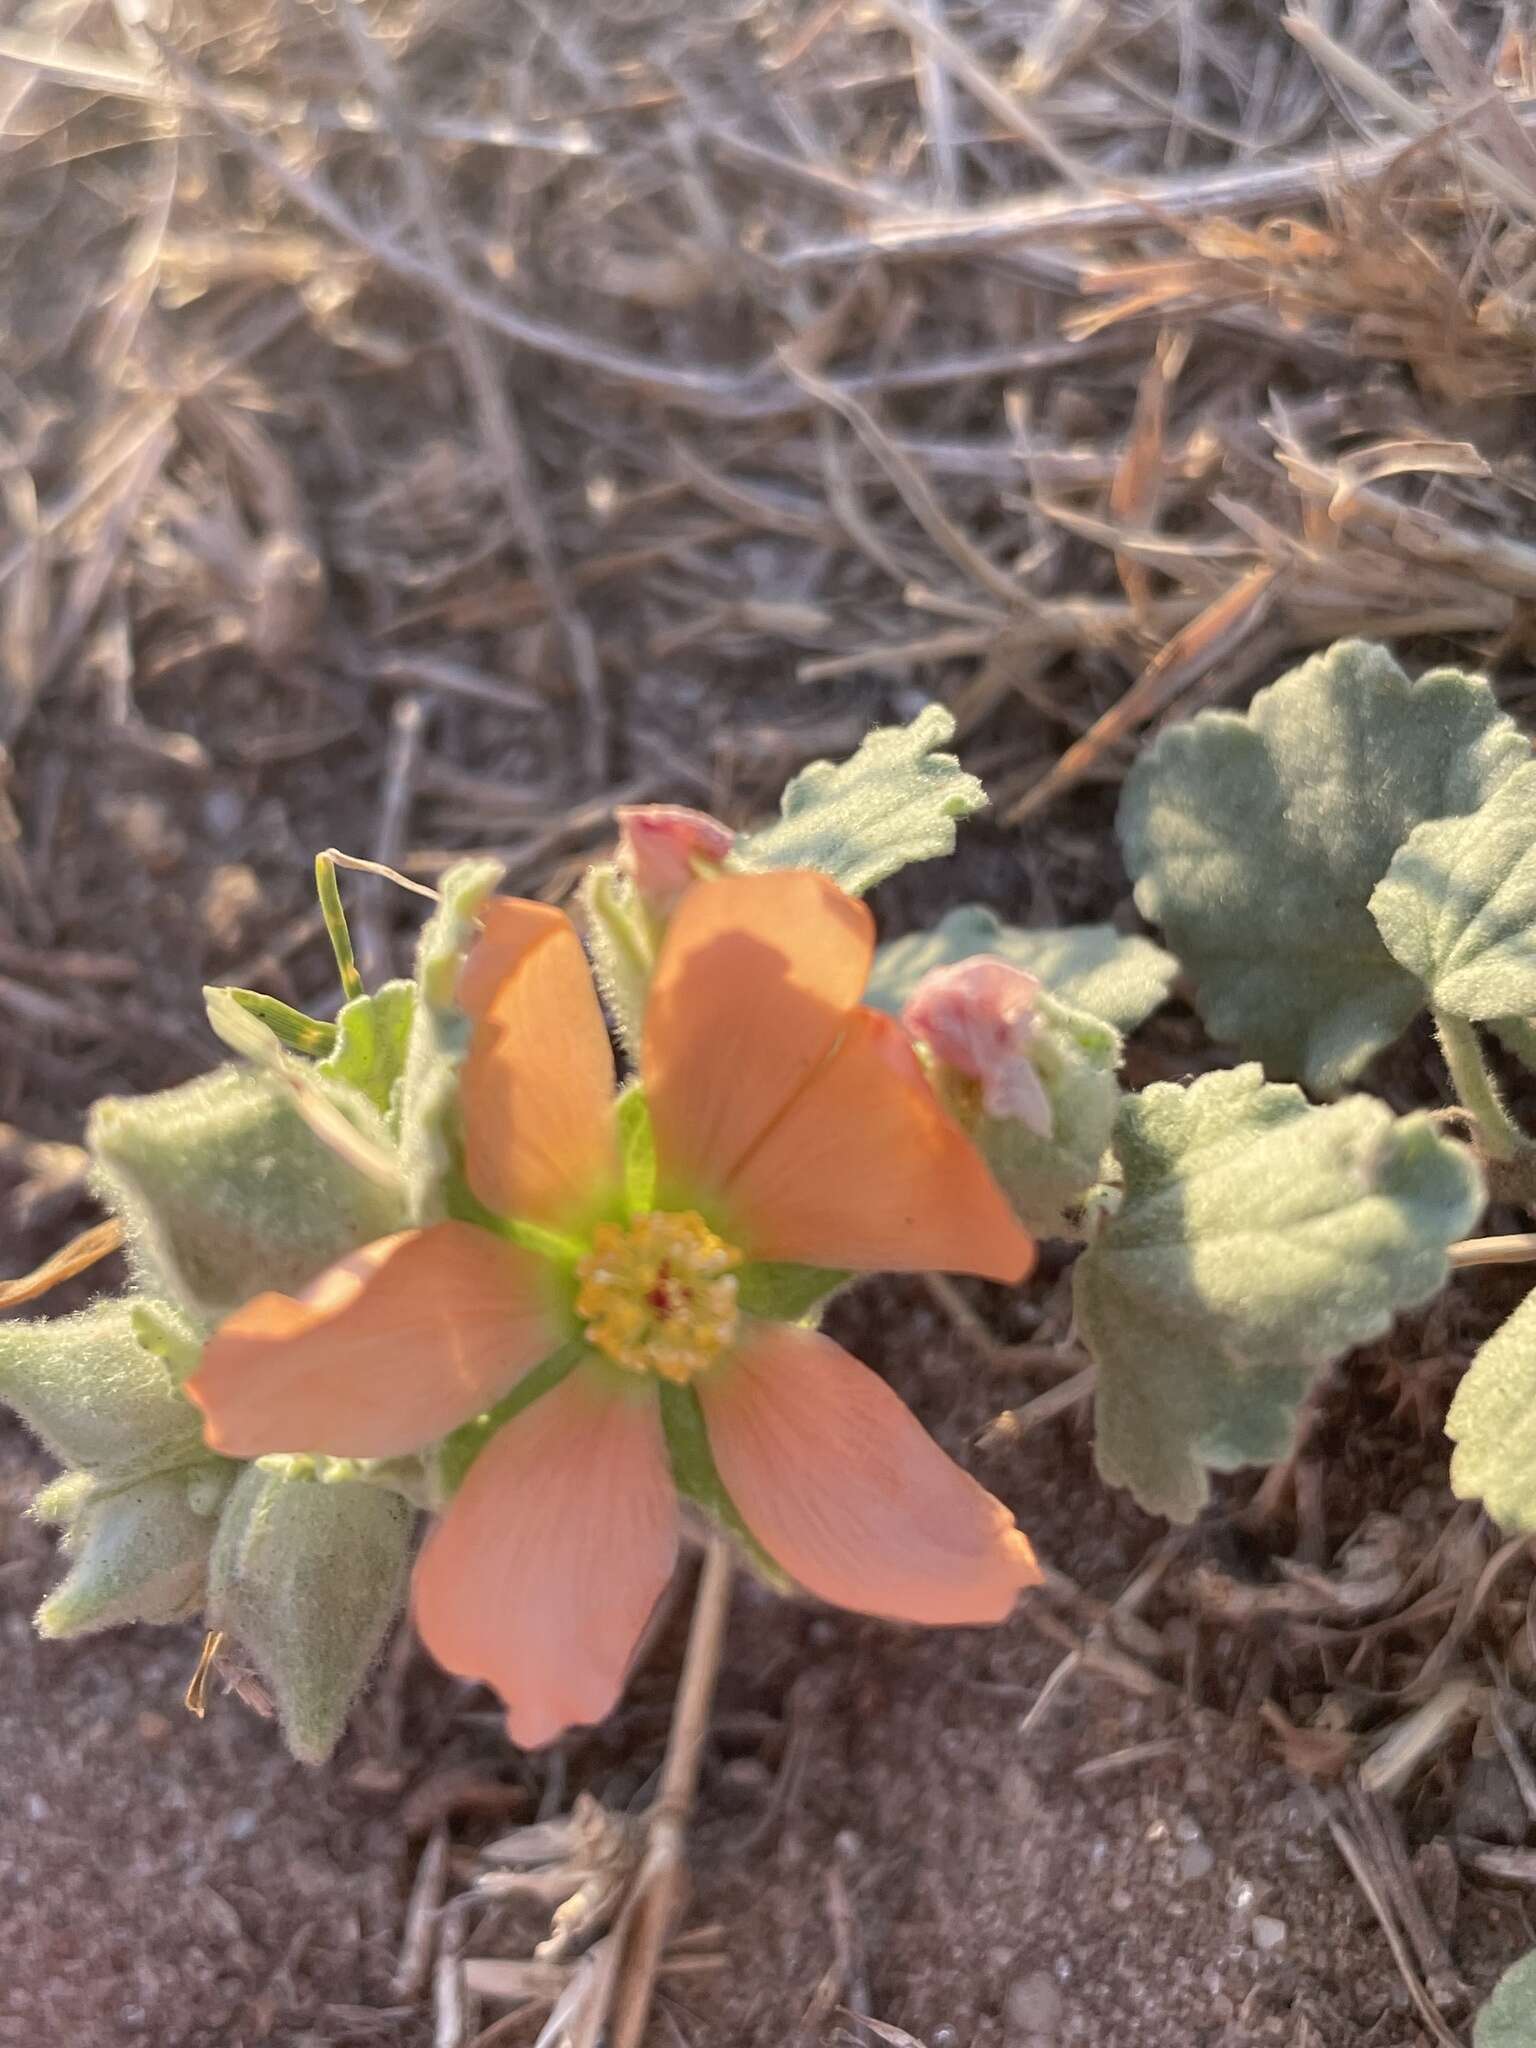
<point x="1195" y="1861"/>
<point x="37" y="1807"/>
<point x="1034" y="2004"/>
<point x="1267" y="1933"/>
<point x="1120" y="1900"/>
<point x="242" y="1824"/>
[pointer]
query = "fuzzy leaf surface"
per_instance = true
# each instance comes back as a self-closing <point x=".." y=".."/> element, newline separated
<point x="1256" y="841"/>
<point x="1112" y="975"/>
<point x="1508" y="2020"/>
<point x="372" y="1033"/>
<point x="1457" y="907"/>
<point x="892" y="802"/>
<point x="308" y="1575"/>
<point x="225" y="1190"/>
<point x="1492" y="1423"/>
<point x="1259" y="1240"/>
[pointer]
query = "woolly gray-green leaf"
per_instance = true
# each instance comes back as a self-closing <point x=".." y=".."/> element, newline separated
<point x="226" y="1191"/>
<point x="1259" y="1240"/>
<point x="1508" y="2020"/>
<point x="308" y="1575"/>
<point x="430" y="1137"/>
<point x="1492" y="1423"/>
<point x="372" y="1033"/>
<point x="1256" y="841"/>
<point x="1092" y="967"/>
<point x="1457" y="907"/>
<point x="137" y="1553"/>
<point x="94" y="1395"/>
<point x="892" y="802"/>
<point x="1046" y="1178"/>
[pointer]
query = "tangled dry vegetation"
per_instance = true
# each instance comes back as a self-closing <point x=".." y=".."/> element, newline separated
<point x="495" y="374"/>
<point x="423" y="426"/>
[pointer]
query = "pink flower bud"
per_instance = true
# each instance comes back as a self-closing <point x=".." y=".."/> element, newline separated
<point x="664" y="847"/>
<point x="979" y="1017"/>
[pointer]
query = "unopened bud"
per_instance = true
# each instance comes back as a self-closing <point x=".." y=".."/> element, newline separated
<point x="137" y="1553"/>
<point x="308" y="1575"/>
<point x="981" y="1018"/>
<point x="227" y="1191"/>
<point x="664" y="848"/>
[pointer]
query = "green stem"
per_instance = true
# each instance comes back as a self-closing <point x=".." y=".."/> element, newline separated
<point x="336" y="926"/>
<point x="1476" y="1089"/>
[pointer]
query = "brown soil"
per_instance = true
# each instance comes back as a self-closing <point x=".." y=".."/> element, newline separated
<point x="324" y="601"/>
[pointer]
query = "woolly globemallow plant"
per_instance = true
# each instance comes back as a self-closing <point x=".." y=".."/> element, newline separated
<point x="618" y="1300"/>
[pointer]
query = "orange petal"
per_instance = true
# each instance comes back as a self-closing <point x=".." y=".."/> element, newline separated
<point x="756" y="977"/>
<point x="846" y="1491"/>
<point x="384" y="1353"/>
<point x="509" y="925"/>
<point x="865" y="1170"/>
<point x="538" y="1085"/>
<point x="543" y="1572"/>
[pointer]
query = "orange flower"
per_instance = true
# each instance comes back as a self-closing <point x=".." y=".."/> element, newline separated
<point x="790" y="1127"/>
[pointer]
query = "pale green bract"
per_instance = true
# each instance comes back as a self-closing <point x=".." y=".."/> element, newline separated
<point x="1112" y="975"/>
<point x="1457" y="907"/>
<point x="1492" y="1423"/>
<point x="308" y="1575"/>
<point x="1256" y="841"/>
<point x="1259" y="1240"/>
<point x="892" y="802"/>
<point x="1508" y="2020"/>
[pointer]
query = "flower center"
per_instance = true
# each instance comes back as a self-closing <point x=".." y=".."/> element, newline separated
<point x="658" y="1294"/>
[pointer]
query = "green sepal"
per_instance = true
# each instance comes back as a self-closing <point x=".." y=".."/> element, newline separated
<point x="167" y="1335"/>
<point x="698" y="1480"/>
<point x="1259" y="1239"/>
<point x="431" y="1140"/>
<point x="622" y="945"/>
<point x="61" y="1501"/>
<point x="1113" y="975"/>
<point x="137" y="1552"/>
<point x="781" y="1293"/>
<point x="1257" y="839"/>
<point x="458" y="1451"/>
<point x="372" y="1033"/>
<point x="1508" y="2020"/>
<point x="226" y="1191"/>
<point x="94" y="1396"/>
<point x="892" y="802"/>
<point x="637" y="1150"/>
<point x="308" y="1577"/>
<point x="1492" y="1422"/>
<point x="311" y="1036"/>
<point x="1047" y="1179"/>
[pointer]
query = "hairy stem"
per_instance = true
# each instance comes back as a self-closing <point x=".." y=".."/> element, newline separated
<point x="661" y="1880"/>
<point x="1476" y="1089"/>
